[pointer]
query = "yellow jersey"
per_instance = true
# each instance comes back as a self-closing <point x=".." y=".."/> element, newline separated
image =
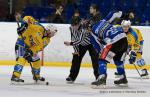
<point x="135" y="39"/>
<point x="34" y="35"/>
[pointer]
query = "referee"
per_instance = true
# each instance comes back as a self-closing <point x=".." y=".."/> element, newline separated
<point x="81" y="43"/>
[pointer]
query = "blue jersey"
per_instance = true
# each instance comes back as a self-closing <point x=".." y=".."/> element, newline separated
<point x="107" y="33"/>
<point x="104" y="33"/>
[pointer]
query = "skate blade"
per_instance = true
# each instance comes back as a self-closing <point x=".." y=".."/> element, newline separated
<point x="70" y="82"/>
<point x="117" y="76"/>
<point x="41" y="83"/>
<point x="121" y="85"/>
<point x="98" y="86"/>
<point x="145" y="77"/>
<point x="16" y="83"/>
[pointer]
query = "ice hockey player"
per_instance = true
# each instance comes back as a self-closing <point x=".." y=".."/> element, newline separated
<point x="115" y="45"/>
<point x="135" y="46"/>
<point x="33" y="37"/>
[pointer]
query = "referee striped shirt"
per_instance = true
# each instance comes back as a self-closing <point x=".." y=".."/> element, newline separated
<point x="79" y="37"/>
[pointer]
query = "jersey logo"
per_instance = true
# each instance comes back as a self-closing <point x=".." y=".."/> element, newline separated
<point x="112" y="31"/>
<point x="31" y="40"/>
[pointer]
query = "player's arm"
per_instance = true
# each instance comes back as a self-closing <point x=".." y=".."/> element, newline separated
<point x="46" y="41"/>
<point x="22" y="28"/>
<point x="25" y="22"/>
<point x="131" y="49"/>
<point x="38" y="45"/>
<point x="140" y="41"/>
<point x="42" y="41"/>
<point x="112" y="16"/>
<point x="49" y="32"/>
<point x="45" y="38"/>
<point x="131" y="42"/>
<point x="134" y="47"/>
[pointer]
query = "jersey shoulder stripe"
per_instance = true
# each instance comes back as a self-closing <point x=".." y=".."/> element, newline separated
<point x="134" y="34"/>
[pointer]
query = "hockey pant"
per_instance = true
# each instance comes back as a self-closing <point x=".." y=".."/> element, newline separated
<point x="117" y="52"/>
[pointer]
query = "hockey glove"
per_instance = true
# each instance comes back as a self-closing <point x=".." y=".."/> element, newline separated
<point x="21" y="29"/>
<point x="140" y="62"/>
<point x="28" y="55"/>
<point x="132" y="57"/>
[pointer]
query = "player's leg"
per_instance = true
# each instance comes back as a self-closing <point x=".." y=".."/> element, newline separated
<point x="76" y="62"/>
<point x="18" y="70"/>
<point x="104" y="58"/>
<point x="119" y="58"/>
<point x="37" y="68"/>
<point x="20" y="62"/>
<point x="101" y="80"/>
<point x="94" y="58"/>
<point x="121" y="72"/>
<point x="109" y="52"/>
<point x="112" y="16"/>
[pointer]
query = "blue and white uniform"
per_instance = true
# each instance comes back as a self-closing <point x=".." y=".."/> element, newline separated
<point x="110" y="42"/>
<point x="107" y="33"/>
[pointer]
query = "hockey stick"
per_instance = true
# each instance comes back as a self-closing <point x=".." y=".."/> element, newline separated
<point x="137" y="71"/>
<point x="42" y="57"/>
<point x="28" y="61"/>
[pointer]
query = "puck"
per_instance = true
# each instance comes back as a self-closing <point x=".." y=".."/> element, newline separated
<point x="47" y="83"/>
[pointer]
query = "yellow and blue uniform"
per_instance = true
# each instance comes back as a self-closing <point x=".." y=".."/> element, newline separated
<point x="35" y="40"/>
<point x="135" y="42"/>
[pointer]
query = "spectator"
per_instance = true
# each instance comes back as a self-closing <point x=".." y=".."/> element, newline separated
<point x="3" y="10"/>
<point x="95" y="14"/>
<point x="126" y="16"/>
<point x="57" y="17"/>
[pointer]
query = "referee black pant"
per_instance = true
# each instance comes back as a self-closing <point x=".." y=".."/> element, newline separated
<point x="77" y="58"/>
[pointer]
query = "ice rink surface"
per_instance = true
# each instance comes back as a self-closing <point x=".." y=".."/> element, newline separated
<point x="82" y="88"/>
